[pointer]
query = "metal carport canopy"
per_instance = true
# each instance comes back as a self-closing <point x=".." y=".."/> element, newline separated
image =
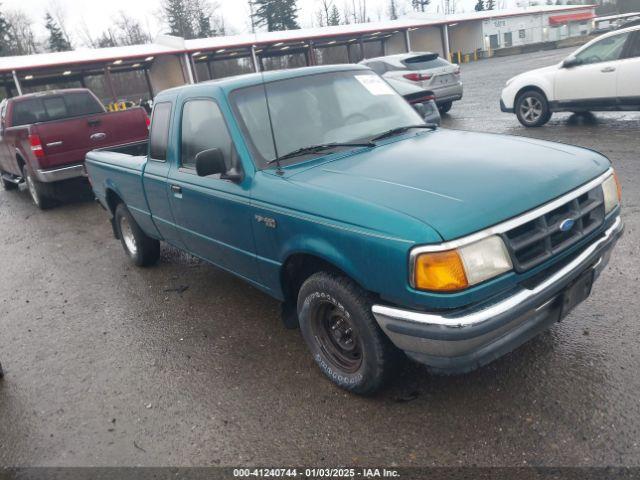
<point x="84" y="56"/>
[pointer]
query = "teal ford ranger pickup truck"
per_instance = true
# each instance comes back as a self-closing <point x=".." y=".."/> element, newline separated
<point x="379" y="233"/>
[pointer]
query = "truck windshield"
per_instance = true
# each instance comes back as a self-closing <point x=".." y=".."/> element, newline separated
<point x="54" y="107"/>
<point x="336" y="107"/>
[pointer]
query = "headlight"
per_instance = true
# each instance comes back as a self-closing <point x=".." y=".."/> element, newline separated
<point x="454" y="270"/>
<point x="612" y="193"/>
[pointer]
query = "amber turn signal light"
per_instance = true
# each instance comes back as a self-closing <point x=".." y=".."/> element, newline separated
<point x="440" y="272"/>
<point x="618" y="185"/>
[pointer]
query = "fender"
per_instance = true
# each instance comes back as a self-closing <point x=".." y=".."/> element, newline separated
<point x="543" y="82"/>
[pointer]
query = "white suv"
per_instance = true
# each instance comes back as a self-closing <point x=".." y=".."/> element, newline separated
<point x="603" y="75"/>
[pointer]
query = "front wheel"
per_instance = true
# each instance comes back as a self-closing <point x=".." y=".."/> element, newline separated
<point x="445" y="107"/>
<point x="344" y="338"/>
<point x="142" y="249"/>
<point x="532" y="109"/>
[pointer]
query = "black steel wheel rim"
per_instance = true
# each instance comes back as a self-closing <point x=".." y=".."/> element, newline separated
<point x="337" y="337"/>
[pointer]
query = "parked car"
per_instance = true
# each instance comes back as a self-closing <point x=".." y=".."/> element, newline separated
<point x="377" y="232"/>
<point x="423" y="69"/>
<point x="44" y="138"/>
<point x="423" y="101"/>
<point x="603" y="75"/>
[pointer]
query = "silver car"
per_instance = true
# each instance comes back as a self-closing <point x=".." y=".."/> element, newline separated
<point x="423" y="69"/>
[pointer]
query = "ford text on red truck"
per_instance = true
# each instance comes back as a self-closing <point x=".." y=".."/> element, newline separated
<point x="44" y="138"/>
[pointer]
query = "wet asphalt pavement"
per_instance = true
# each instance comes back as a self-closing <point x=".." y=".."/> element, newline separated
<point x="182" y="364"/>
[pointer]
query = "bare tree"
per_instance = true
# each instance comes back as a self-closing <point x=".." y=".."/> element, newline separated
<point x="323" y="14"/>
<point x="355" y="11"/>
<point x="20" y="30"/>
<point x="129" y="31"/>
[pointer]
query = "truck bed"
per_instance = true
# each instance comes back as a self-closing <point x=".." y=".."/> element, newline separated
<point x="120" y="170"/>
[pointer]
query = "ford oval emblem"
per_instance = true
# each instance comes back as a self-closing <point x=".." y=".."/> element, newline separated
<point x="567" y="225"/>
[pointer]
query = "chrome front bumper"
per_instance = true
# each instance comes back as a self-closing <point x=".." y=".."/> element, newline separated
<point x="462" y="340"/>
<point x="59" y="174"/>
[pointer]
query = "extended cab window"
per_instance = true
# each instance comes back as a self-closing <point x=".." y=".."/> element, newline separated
<point x="159" y="135"/>
<point x="204" y="128"/>
<point x="606" y="50"/>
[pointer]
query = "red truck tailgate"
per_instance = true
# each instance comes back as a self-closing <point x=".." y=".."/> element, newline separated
<point x="67" y="141"/>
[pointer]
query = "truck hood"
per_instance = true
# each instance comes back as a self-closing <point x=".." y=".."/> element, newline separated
<point x="457" y="182"/>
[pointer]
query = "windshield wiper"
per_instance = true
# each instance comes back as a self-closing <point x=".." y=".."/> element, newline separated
<point x="399" y="130"/>
<point x="318" y="149"/>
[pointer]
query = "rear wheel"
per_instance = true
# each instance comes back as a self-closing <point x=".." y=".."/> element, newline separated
<point x="532" y="109"/>
<point x="445" y="107"/>
<point x="40" y="192"/>
<point x="344" y="338"/>
<point x="142" y="249"/>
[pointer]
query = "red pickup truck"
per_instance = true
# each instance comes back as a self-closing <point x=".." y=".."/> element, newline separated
<point x="45" y="136"/>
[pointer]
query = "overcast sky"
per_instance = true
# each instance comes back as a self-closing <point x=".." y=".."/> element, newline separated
<point x="97" y="14"/>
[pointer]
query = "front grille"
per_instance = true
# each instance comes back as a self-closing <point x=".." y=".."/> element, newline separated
<point x="534" y="242"/>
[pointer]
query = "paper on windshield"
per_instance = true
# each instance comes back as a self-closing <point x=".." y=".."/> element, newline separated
<point x="375" y="85"/>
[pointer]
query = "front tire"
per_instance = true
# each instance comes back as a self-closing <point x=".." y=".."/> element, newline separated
<point x="344" y="338"/>
<point x="445" y="107"/>
<point x="532" y="109"/>
<point x="142" y="249"/>
<point x="40" y="192"/>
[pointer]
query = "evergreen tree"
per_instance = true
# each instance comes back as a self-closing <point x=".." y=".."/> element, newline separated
<point x="57" y="41"/>
<point x="420" y="5"/>
<point x="479" y="6"/>
<point x="276" y="14"/>
<point x="334" y="16"/>
<point x="178" y="18"/>
<point x="393" y="10"/>
<point x="204" y="25"/>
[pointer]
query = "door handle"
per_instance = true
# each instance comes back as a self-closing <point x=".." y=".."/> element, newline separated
<point x="93" y="123"/>
<point x="608" y="69"/>
<point x="176" y="189"/>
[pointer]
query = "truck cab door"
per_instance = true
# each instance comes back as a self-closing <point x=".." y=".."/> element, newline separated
<point x="591" y="83"/>
<point x="212" y="214"/>
<point x="156" y="172"/>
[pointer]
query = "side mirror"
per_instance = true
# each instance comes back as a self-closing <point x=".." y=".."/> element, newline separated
<point x="570" y="62"/>
<point x="210" y="162"/>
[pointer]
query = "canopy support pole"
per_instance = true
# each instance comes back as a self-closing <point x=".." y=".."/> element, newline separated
<point x="17" y="82"/>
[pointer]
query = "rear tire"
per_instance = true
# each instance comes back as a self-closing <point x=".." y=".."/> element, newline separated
<point x="342" y="334"/>
<point x="40" y="192"/>
<point x="445" y="107"/>
<point x="532" y="109"/>
<point x="142" y="249"/>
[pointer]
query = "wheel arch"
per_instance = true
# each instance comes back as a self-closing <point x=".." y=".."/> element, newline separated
<point x="20" y="161"/>
<point x="300" y="265"/>
<point x="528" y="88"/>
<point x="113" y="199"/>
